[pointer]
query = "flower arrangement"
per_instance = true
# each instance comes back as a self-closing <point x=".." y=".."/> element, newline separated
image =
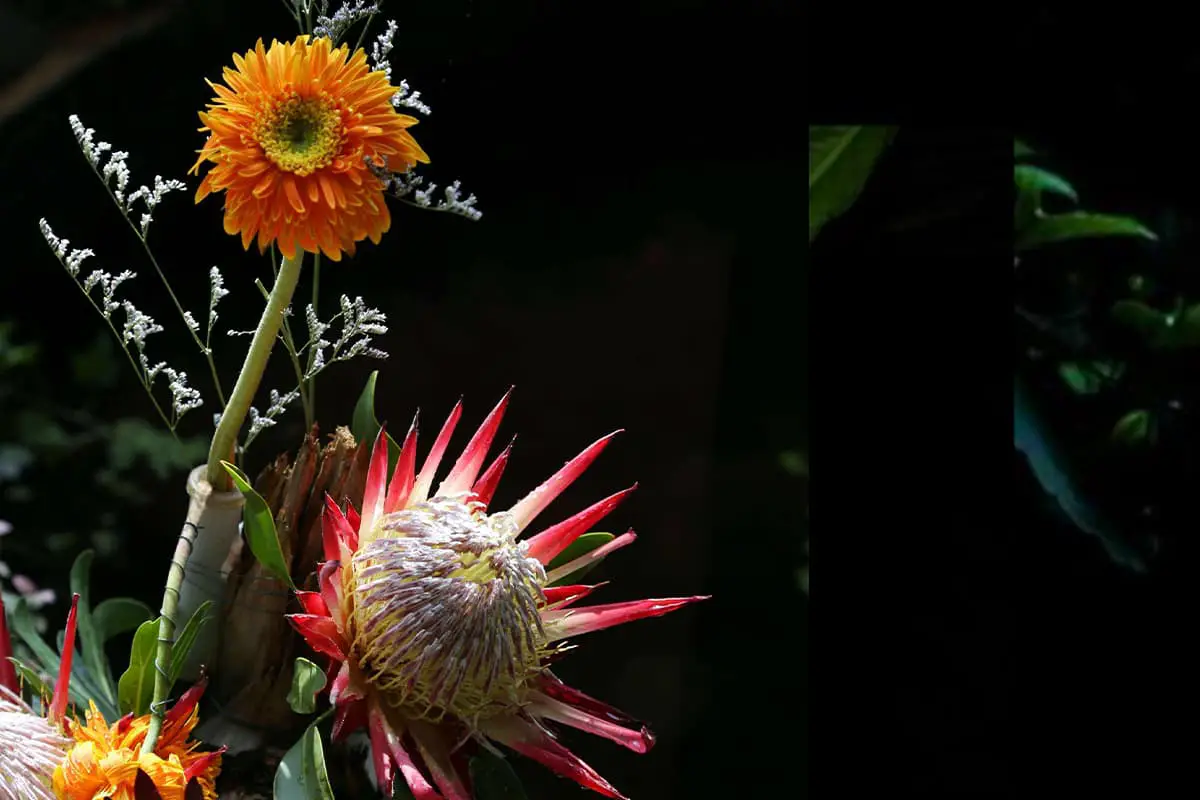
<point x="430" y="620"/>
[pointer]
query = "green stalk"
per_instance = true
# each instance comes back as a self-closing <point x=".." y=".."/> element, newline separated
<point x="166" y="635"/>
<point x="224" y="441"/>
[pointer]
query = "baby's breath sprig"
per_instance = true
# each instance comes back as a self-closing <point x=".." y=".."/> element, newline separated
<point x="132" y="335"/>
<point x="113" y="172"/>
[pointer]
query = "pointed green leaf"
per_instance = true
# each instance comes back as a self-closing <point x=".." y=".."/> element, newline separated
<point x="840" y="159"/>
<point x="1038" y="180"/>
<point x="23" y="624"/>
<point x="187" y="637"/>
<point x="89" y="645"/>
<point x="1088" y="377"/>
<point x="1052" y="228"/>
<point x="1032" y="182"/>
<point x="578" y="548"/>
<point x="136" y="687"/>
<point x="1135" y="428"/>
<point x="1022" y="150"/>
<point x="1079" y="378"/>
<point x="307" y="680"/>
<point x="119" y="615"/>
<point x="494" y="779"/>
<point x="1186" y="331"/>
<point x="259" y="527"/>
<point x="302" y="774"/>
<point x="365" y="425"/>
<point x="1152" y="325"/>
<point x="30" y="677"/>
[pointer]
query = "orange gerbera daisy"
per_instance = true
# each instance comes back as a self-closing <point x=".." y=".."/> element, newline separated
<point x="290" y="135"/>
<point x="441" y="626"/>
<point x="86" y="761"/>
<point x="106" y="760"/>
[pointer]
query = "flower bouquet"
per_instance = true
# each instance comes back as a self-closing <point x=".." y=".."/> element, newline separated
<point x="390" y="601"/>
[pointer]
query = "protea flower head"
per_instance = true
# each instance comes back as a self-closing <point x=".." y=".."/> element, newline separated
<point x="441" y="625"/>
<point x="31" y="745"/>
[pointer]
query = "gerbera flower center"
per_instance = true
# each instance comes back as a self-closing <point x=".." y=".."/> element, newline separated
<point x="300" y="134"/>
<point x="445" y="611"/>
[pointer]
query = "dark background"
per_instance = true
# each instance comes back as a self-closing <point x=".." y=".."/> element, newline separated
<point x="636" y="266"/>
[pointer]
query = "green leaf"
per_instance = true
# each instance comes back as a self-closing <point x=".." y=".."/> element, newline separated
<point x="794" y="463"/>
<point x="1052" y="228"/>
<point x="23" y="624"/>
<point x="494" y="779"/>
<point x="259" y="525"/>
<point x="301" y="774"/>
<point x="135" y="690"/>
<point x="1187" y="327"/>
<point x="90" y="645"/>
<point x="1152" y="325"/>
<point x="307" y="680"/>
<point x="365" y="425"/>
<point x="840" y="159"/>
<point x="1032" y="182"/>
<point x="578" y="548"/>
<point x="1088" y="377"/>
<point x="187" y="637"/>
<point x="1135" y="428"/>
<point x="1079" y="378"/>
<point x="118" y="615"/>
<point x="1022" y="150"/>
<point x="30" y="677"/>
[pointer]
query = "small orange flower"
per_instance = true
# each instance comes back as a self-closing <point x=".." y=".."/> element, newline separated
<point x="106" y="760"/>
<point x="290" y="134"/>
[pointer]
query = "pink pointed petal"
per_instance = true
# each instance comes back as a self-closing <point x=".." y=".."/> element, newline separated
<point x="353" y="517"/>
<point x="347" y="718"/>
<point x="536" y="501"/>
<point x="639" y="741"/>
<point x="534" y="742"/>
<point x="552" y="541"/>
<point x="338" y="537"/>
<point x="405" y="474"/>
<point x="591" y="557"/>
<point x="563" y="596"/>
<point x="187" y="701"/>
<point x="485" y="488"/>
<point x="420" y="491"/>
<point x="384" y="738"/>
<point x="8" y="673"/>
<point x="321" y="633"/>
<point x="467" y="467"/>
<point x="578" y="621"/>
<point x="551" y="686"/>
<point x="375" y="490"/>
<point x="347" y="686"/>
<point x="329" y="581"/>
<point x="436" y="753"/>
<point x="202" y="762"/>
<point x="58" y="703"/>
<point x="381" y="755"/>
<point x="313" y="603"/>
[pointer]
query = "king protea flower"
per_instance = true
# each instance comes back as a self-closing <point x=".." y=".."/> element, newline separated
<point x="441" y="625"/>
<point x="31" y="745"/>
<point x="289" y="136"/>
<point x="42" y="758"/>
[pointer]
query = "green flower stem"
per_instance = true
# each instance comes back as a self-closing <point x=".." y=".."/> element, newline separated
<point x="166" y="635"/>
<point x="224" y="441"/>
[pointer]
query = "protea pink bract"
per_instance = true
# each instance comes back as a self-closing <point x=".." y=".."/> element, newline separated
<point x="441" y="625"/>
